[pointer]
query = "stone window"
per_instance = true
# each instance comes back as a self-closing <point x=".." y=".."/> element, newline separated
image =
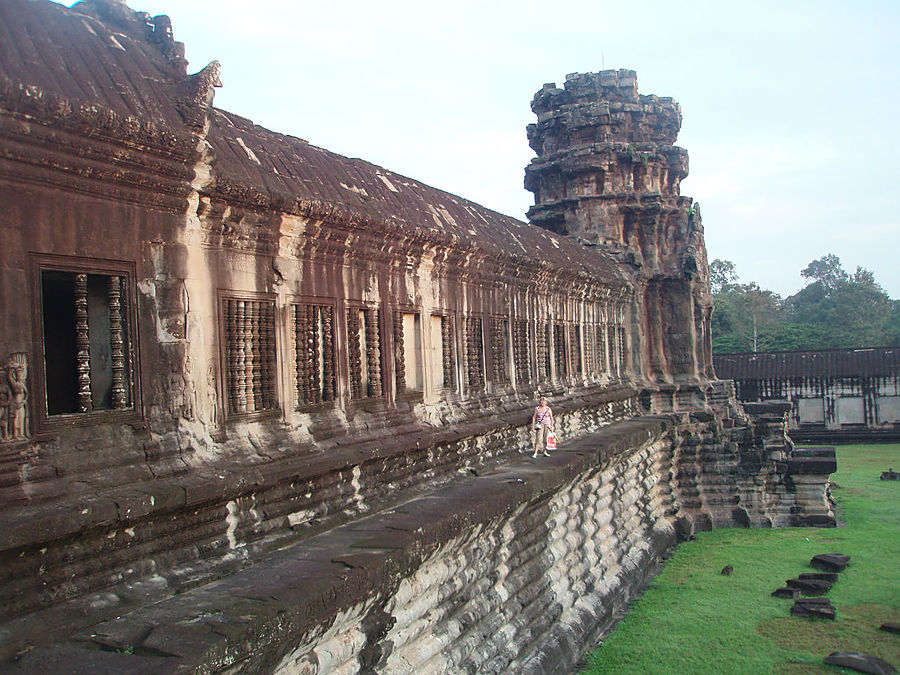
<point x="408" y="352"/>
<point x="620" y="341"/>
<point x="560" y="351"/>
<point x="314" y="353"/>
<point x="612" y="349"/>
<point x="249" y="329"/>
<point x="600" y="345"/>
<point x="474" y="352"/>
<point x="521" y="350"/>
<point x="576" y="352"/>
<point x="500" y="350"/>
<point x="443" y="352"/>
<point x="86" y="328"/>
<point x="543" y="351"/>
<point x="364" y="341"/>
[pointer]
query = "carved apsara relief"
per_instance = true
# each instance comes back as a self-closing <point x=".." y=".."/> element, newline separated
<point x="14" y="403"/>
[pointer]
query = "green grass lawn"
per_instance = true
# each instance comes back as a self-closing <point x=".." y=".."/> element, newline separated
<point x="694" y="620"/>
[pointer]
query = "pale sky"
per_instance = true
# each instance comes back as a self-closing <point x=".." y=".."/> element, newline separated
<point x="790" y="109"/>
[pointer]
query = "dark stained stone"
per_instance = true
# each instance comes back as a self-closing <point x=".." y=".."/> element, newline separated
<point x="816" y="608"/>
<point x="830" y="562"/>
<point x="787" y="592"/>
<point x="890" y="627"/>
<point x="830" y="577"/>
<point x="809" y="586"/>
<point x="863" y="663"/>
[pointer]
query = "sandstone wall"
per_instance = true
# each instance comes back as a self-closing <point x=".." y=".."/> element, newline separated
<point x="519" y="568"/>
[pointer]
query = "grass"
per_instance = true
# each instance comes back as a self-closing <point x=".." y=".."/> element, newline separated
<point x="694" y="620"/>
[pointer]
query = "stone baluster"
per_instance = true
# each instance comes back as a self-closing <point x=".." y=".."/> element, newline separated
<point x="117" y="343"/>
<point x="300" y="354"/>
<point x="574" y="350"/>
<point x="82" y="344"/>
<point x="399" y="353"/>
<point x="312" y="350"/>
<point x="328" y="384"/>
<point x="447" y="352"/>
<point x="240" y="364"/>
<point x="373" y="347"/>
<point x="268" y="354"/>
<point x="251" y="354"/>
<point x="354" y="349"/>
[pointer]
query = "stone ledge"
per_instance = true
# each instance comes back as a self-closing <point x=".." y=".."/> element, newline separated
<point x="299" y="587"/>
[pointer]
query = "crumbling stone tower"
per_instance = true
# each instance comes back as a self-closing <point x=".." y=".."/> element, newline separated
<point x="607" y="173"/>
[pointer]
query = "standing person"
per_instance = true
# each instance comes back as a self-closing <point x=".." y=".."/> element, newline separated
<point x="542" y="422"/>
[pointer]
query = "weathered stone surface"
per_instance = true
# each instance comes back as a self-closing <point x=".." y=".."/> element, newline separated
<point x="811" y="587"/>
<point x="814" y="608"/>
<point x="830" y="562"/>
<point x="320" y="377"/>
<point x="787" y="592"/>
<point x="830" y="577"/>
<point x="846" y="395"/>
<point x="863" y="663"/>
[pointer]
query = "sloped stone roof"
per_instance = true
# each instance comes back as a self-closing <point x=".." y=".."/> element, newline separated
<point x="101" y="60"/>
<point x="874" y="362"/>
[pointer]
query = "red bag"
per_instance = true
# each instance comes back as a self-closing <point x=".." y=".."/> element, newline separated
<point x="551" y="441"/>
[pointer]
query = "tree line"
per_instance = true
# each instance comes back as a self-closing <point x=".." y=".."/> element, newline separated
<point x="835" y="309"/>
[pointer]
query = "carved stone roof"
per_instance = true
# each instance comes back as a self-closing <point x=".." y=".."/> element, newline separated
<point x="99" y="53"/>
<point x="293" y="174"/>
<point x="874" y="362"/>
<point x="117" y="70"/>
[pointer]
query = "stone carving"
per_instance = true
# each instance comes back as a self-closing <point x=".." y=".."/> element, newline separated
<point x="373" y="352"/>
<point x="447" y="352"/>
<point x="212" y="398"/>
<point x="354" y="352"/>
<point x="117" y="343"/>
<point x="14" y="405"/>
<point x="559" y="351"/>
<point x="328" y="369"/>
<point x="314" y="353"/>
<point x="399" y="353"/>
<point x="474" y="352"/>
<point x="189" y="404"/>
<point x="542" y="351"/>
<point x="521" y="350"/>
<point x="499" y="347"/>
<point x="250" y="354"/>
<point x="82" y="344"/>
<point x="575" y="349"/>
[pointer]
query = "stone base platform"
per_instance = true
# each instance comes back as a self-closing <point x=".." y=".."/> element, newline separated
<point x="518" y="569"/>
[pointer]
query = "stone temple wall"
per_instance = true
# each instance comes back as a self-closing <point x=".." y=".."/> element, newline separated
<point x="519" y="568"/>
<point x="250" y="389"/>
<point x="836" y="395"/>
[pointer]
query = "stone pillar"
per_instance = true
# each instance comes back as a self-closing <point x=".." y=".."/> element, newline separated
<point x="607" y="173"/>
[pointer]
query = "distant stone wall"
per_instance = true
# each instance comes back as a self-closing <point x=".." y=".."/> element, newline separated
<point x="835" y="395"/>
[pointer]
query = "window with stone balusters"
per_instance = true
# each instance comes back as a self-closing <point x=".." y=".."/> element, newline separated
<point x="314" y="353"/>
<point x="474" y="344"/>
<point x="249" y="346"/>
<point x="560" y="351"/>
<point x="364" y="350"/>
<point x="521" y="351"/>
<point x="500" y="350"/>
<point x="86" y="328"/>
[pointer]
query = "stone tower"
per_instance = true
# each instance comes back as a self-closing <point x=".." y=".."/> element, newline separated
<point x="607" y="173"/>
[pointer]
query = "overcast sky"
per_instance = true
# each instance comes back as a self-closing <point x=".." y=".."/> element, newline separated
<point x="790" y="108"/>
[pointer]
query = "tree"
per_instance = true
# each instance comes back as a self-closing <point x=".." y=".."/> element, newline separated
<point x="722" y="273"/>
<point x="835" y="309"/>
